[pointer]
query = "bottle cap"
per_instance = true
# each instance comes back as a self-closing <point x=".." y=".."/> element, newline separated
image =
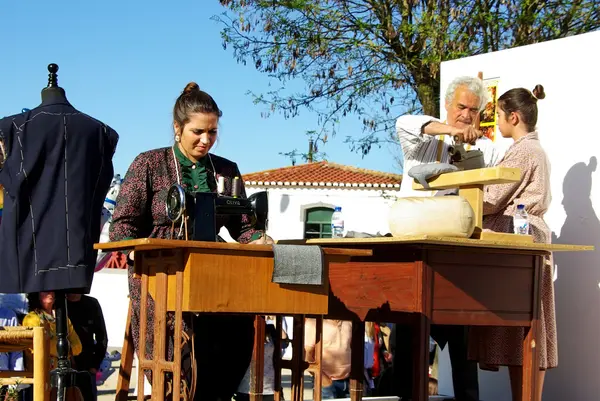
<point x="338" y="208"/>
<point x="520" y="207"/>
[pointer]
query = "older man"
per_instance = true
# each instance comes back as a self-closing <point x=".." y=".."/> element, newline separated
<point x="425" y="139"/>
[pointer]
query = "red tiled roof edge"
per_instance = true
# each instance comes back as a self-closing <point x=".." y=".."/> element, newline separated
<point x="309" y="174"/>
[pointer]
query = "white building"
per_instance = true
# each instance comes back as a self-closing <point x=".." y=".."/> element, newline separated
<point x="302" y="198"/>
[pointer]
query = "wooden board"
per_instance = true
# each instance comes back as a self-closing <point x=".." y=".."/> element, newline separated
<point x="157" y="243"/>
<point x="482" y="176"/>
<point x="432" y="240"/>
<point x="505" y="237"/>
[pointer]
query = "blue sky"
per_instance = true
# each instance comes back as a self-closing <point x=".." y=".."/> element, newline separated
<point x="125" y="63"/>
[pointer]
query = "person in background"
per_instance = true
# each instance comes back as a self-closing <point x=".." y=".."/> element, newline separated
<point x="41" y="305"/>
<point x="86" y="316"/>
<point x="503" y="346"/>
<point x="336" y="339"/>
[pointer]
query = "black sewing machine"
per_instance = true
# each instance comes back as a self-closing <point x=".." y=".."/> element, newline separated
<point x="465" y="159"/>
<point x="202" y="209"/>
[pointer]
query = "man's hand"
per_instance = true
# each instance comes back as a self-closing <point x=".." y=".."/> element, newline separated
<point x="466" y="135"/>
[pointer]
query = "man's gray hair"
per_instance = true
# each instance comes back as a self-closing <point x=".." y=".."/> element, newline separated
<point x="473" y="84"/>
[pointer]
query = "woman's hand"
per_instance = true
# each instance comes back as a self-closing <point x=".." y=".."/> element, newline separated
<point x="264" y="240"/>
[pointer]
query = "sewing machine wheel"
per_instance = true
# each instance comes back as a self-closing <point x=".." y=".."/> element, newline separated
<point x="175" y="203"/>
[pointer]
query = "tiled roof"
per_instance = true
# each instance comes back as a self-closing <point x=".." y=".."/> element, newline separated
<point x="323" y="174"/>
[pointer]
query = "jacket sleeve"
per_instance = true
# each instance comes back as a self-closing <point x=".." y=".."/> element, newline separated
<point x="5" y="142"/>
<point x="240" y="227"/>
<point x="8" y="176"/>
<point x="32" y="319"/>
<point x="130" y="217"/>
<point x="112" y="139"/>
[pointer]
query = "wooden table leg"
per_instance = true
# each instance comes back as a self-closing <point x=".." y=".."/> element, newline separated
<point x="160" y="336"/>
<point x="160" y="264"/>
<point x="420" y="341"/>
<point x="142" y="361"/>
<point x="277" y="389"/>
<point x="531" y="357"/>
<point x="176" y="364"/>
<point x="258" y="360"/>
<point x="122" y="391"/>
<point x="357" y="361"/>
<point x="317" y="367"/>
<point x="298" y="359"/>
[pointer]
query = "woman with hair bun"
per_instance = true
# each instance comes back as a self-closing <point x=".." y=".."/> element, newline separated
<point x="503" y="346"/>
<point x="223" y="343"/>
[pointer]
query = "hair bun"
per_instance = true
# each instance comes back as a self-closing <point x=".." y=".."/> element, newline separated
<point x="538" y="92"/>
<point x="191" y="88"/>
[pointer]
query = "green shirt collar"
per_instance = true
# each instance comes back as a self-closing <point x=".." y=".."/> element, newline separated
<point x="184" y="161"/>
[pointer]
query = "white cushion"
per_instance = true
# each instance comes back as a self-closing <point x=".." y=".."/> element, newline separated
<point x="446" y="216"/>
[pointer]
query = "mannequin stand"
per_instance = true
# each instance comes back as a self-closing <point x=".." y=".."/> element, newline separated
<point x="63" y="376"/>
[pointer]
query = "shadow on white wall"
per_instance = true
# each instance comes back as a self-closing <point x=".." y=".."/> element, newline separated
<point x="577" y="292"/>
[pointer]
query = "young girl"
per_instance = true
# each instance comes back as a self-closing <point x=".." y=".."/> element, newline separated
<point x="503" y="346"/>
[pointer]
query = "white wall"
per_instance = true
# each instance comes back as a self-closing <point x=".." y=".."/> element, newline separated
<point x="111" y="289"/>
<point x="568" y="70"/>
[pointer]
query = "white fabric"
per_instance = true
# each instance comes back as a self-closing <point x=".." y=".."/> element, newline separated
<point x="419" y="148"/>
<point x="444" y="216"/>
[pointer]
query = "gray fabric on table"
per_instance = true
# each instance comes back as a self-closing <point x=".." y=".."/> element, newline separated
<point x="423" y="172"/>
<point x="298" y="264"/>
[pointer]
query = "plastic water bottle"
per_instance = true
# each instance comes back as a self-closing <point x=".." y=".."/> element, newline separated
<point x="337" y="223"/>
<point x="521" y="221"/>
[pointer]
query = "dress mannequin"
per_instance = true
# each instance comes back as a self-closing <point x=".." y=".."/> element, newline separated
<point x="57" y="169"/>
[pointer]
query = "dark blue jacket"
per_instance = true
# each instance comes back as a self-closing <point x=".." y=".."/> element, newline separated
<point x="57" y="171"/>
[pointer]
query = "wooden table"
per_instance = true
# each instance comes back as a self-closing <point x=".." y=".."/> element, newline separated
<point x="213" y="277"/>
<point x="430" y="280"/>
